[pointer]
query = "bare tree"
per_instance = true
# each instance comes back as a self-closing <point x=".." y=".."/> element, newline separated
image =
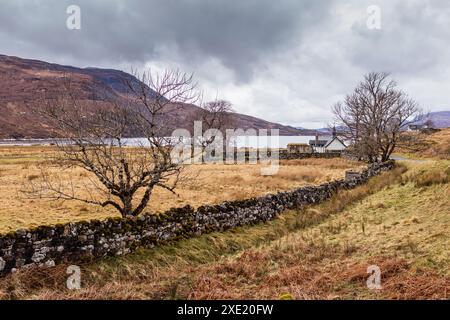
<point x="94" y="138"/>
<point x="374" y="116"/>
<point x="215" y="115"/>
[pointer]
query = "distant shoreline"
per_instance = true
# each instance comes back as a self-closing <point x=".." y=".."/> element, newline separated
<point x="25" y="142"/>
<point x="243" y="141"/>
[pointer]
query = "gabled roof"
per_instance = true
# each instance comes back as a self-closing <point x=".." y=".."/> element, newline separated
<point x="325" y="141"/>
<point x="333" y="139"/>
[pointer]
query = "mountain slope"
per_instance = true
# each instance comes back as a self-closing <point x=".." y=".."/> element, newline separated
<point x="21" y="80"/>
<point x="440" y="119"/>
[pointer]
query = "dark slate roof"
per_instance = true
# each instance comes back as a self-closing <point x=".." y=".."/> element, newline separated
<point x="320" y="143"/>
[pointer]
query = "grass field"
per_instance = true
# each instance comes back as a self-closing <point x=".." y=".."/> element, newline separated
<point x="399" y="221"/>
<point x="432" y="146"/>
<point x="213" y="184"/>
<point x="440" y="145"/>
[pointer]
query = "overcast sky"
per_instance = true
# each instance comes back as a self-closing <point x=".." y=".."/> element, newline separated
<point x="285" y="61"/>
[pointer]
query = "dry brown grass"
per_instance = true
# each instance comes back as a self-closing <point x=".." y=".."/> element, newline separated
<point x="213" y="184"/>
<point x="328" y="259"/>
<point x="440" y="145"/>
<point x="335" y="276"/>
<point x="431" y="177"/>
<point x="312" y="254"/>
<point x="436" y="145"/>
<point x="435" y="172"/>
<point x="321" y="252"/>
<point x="335" y="163"/>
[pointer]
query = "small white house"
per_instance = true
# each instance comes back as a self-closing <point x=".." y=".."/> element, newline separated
<point x="328" y="143"/>
<point x="417" y="127"/>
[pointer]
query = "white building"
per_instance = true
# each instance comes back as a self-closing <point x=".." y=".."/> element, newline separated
<point x="327" y="143"/>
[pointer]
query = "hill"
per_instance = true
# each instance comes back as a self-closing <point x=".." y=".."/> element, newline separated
<point x="21" y="80"/>
<point x="434" y="145"/>
<point x="439" y="145"/>
<point x="440" y="119"/>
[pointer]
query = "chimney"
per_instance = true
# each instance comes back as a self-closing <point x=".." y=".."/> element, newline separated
<point x="317" y="141"/>
<point x="334" y="132"/>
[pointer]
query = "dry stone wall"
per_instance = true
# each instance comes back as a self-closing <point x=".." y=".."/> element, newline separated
<point x="82" y="241"/>
<point x="283" y="154"/>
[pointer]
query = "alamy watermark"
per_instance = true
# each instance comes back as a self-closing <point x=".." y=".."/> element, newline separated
<point x="74" y="280"/>
<point x="233" y="147"/>
<point x="374" y="280"/>
<point x="374" y="17"/>
<point x="73" y="21"/>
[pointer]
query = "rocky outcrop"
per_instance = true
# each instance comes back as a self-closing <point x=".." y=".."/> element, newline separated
<point x="81" y="241"/>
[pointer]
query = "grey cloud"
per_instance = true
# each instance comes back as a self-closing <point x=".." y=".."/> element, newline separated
<point x="238" y="33"/>
<point x="286" y="61"/>
<point x="410" y="41"/>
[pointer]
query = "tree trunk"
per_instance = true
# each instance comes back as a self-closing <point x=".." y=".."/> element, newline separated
<point x="144" y="202"/>
<point x="127" y="206"/>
